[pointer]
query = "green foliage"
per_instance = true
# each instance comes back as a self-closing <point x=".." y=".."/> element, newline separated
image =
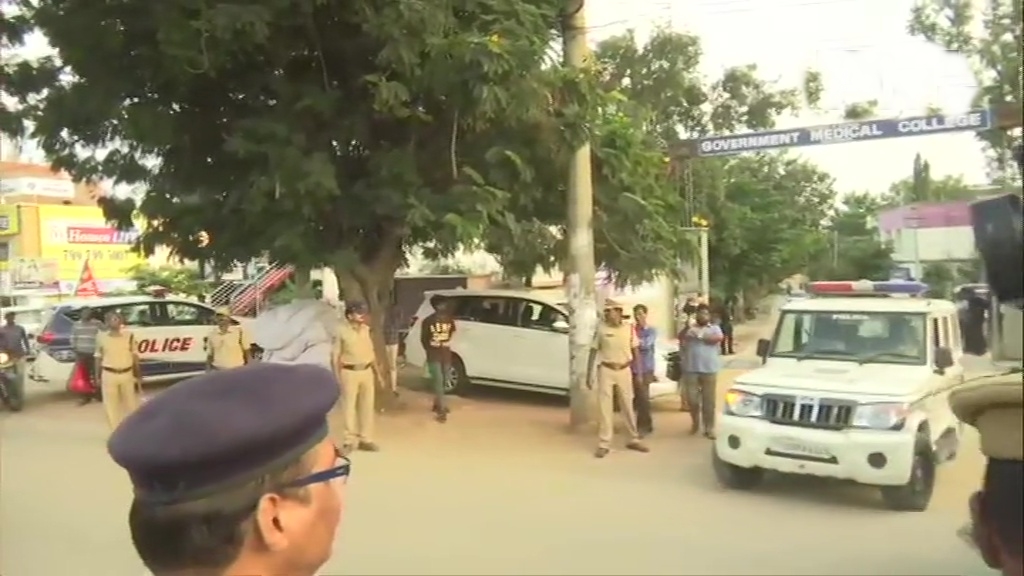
<point x="768" y="221"/>
<point x="853" y="250"/>
<point x="861" y="110"/>
<point x="992" y="45"/>
<point x="300" y="130"/>
<point x="940" y="278"/>
<point x="920" y="186"/>
<point x="177" y="279"/>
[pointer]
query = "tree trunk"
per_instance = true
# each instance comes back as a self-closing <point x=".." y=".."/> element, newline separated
<point x="303" y="283"/>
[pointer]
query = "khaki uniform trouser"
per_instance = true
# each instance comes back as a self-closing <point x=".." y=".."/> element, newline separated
<point x="612" y="383"/>
<point x="120" y="396"/>
<point x="392" y="350"/>
<point x="358" y="388"/>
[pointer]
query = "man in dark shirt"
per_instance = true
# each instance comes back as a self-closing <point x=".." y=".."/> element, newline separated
<point x="436" y="335"/>
<point x="15" y="342"/>
<point x="723" y="313"/>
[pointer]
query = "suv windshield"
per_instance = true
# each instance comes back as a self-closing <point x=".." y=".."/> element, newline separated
<point x="877" y="337"/>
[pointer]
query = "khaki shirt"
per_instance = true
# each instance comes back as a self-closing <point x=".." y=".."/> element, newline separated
<point x="615" y="344"/>
<point x="227" y="349"/>
<point x="353" y="344"/>
<point x="116" y="351"/>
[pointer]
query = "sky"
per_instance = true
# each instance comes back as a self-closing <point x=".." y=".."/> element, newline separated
<point x="860" y="47"/>
<point x="863" y="51"/>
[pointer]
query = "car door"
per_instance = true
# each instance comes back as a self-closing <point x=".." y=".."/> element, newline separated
<point x="486" y="341"/>
<point x="179" y="344"/>
<point x="545" y="346"/>
<point x="940" y="414"/>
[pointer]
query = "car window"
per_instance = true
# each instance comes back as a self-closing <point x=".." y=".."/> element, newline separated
<point x="140" y="314"/>
<point x="500" y="311"/>
<point x="537" y="316"/>
<point x="845" y="335"/>
<point x="184" y="314"/>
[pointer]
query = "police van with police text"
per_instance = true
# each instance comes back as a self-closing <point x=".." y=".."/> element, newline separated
<point x="854" y="386"/>
<point x="169" y="336"/>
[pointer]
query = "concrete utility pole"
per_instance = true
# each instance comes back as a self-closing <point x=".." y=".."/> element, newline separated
<point x="582" y="270"/>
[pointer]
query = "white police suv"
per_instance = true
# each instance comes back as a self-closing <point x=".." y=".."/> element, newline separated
<point x="854" y="386"/>
<point x="169" y="334"/>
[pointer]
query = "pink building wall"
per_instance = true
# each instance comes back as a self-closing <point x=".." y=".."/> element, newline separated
<point x="925" y="215"/>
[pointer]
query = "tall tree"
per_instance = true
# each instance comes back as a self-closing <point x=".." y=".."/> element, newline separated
<point x="654" y="95"/>
<point x="299" y="130"/>
<point x="768" y="222"/>
<point x="853" y="249"/>
<point x="992" y="41"/>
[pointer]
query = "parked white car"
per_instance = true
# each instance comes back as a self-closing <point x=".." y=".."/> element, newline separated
<point x="510" y="339"/>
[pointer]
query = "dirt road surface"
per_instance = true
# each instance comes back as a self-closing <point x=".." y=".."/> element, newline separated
<point x="501" y="489"/>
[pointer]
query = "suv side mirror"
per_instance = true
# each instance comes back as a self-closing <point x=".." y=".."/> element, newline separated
<point x="943" y="357"/>
<point x="763" y="345"/>
<point x="560" y="326"/>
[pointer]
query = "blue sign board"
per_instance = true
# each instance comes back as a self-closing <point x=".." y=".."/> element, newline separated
<point x="975" y="120"/>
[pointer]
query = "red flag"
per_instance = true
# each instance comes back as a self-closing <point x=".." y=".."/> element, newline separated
<point x="87" y="286"/>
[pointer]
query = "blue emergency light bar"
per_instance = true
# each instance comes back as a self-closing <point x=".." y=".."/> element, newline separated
<point x="867" y="288"/>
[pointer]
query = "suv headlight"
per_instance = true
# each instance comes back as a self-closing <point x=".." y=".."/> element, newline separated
<point x="740" y="403"/>
<point x="881" y="416"/>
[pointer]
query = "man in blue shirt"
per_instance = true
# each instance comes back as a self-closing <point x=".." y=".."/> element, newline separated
<point x="643" y="369"/>
<point x="699" y="348"/>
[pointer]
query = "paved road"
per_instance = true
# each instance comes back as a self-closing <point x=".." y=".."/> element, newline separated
<point x="501" y="490"/>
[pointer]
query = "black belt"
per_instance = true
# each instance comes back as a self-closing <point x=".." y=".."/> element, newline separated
<point x="356" y="367"/>
<point x="614" y="366"/>
<point x="117" y="370"/>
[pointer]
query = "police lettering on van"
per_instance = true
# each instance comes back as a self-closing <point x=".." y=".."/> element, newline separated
<point x="168" y="332"/>
<point x="174" y="344"/>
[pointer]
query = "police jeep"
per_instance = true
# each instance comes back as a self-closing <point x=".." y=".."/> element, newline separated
<point x="169" y="334"/>
<point x="853" y="386"/>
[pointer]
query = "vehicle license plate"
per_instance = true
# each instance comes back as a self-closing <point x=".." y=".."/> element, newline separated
<point x="793" y="446"/>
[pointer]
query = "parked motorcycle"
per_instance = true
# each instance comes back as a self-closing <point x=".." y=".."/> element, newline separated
<point x="12" y="393"/>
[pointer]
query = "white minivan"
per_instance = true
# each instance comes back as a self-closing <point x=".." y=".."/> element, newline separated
<point x="511" y="339"/>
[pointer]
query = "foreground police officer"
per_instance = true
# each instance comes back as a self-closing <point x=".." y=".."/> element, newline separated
<point x="234" y="473"/>
<point x="355" y="364"/>
<point x="995" y="406"/>
<point x="117" y="370"/>
<point x="612" y="354"/>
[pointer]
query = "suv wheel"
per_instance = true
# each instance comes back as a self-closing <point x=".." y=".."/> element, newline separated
<point x="735" y="477"/>
<point x="456" y="382"/>
<point x="916" y="494"/>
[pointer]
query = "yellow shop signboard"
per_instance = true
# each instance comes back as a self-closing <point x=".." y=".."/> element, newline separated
<point x="9" y="223"/>
<point x="72" y="234"/>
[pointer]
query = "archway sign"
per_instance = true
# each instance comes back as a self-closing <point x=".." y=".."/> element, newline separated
<point x="861" y="131"/>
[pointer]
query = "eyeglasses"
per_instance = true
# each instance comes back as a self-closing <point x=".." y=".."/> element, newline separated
<point x="342" y="470"/>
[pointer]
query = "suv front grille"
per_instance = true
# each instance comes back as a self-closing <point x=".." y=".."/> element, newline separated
<point x="827" y="413"/>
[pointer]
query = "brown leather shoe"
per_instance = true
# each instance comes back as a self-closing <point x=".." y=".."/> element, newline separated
<point x="637" y="446"/>
<point x="368" y="447"/>
<point x="601" y="452"/>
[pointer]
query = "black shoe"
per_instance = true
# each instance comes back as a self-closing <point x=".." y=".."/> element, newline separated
<point x="84" y="400"/>
<point x="601" y="452"/>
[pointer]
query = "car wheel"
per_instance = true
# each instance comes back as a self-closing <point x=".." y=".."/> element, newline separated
<point x="456" y="382"/>
<point x="916" y="494"/>
<point x="735" y="477"/>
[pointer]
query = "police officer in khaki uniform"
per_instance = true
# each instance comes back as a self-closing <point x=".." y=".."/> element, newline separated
<point x="355" y="365"/>
<point x="227" y="345"/>
<point x="612" y="354"/>
<point x="117" y="367"/>
<point x="995" y="406"/>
